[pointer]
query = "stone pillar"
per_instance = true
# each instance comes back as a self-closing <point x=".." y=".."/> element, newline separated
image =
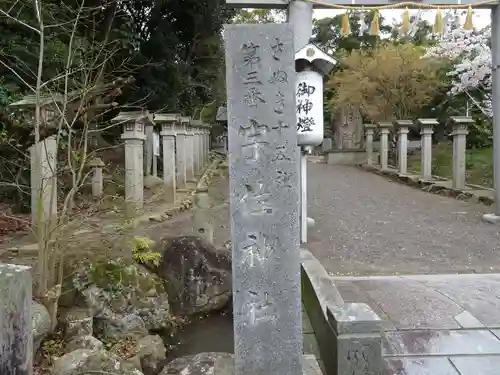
<point x="369" y="129"/>
<point x="43" y="162"/>
<point x="202" y="219"/>
<point x="459" y="134"/>
<point x="403" y="127"/>
<point x="209" y="143"/>
<point x="16" y="327"/>
<point x="189" y="152"/>
<point x="204" y="144"/>
<point x="426" y="131"/>
<point x="156" y="148"/>
<point x="180" y="155"/>
<point x="195" y="124"/>
<point x="148" y="149"/>
<point x="385" y="128"/>
<point x="168" y="144"/>
<point x="201" y="157"/>
<point x="133" y="135"/>
<point x="197" y="150"/>
<point x="97" y="179"/>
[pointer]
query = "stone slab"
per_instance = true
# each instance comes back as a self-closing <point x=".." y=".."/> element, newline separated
<point x="428" y="301"/>
<point x="442" y="343"/>
<point x="411" y="305"/>
<point x="264" y="198"/>
<point x="310" y="366"/>
<point x="418" y="366"/>
<point x="483" y="365"/>
<point x="478" y="294"/>
<point x="496" y="332"/>
<point x="468" y="321"/>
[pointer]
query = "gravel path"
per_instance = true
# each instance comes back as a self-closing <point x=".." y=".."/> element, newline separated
<point x="366" y="224"/>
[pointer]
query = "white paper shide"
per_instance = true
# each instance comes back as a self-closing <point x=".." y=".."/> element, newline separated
<point x="309" y="108"/>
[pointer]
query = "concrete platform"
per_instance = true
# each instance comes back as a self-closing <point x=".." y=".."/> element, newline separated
<point x="435" y="324"/>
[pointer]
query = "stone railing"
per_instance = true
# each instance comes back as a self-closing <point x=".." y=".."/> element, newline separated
<point x="182" y="144"/>
<point x="426" y="127"/>
<point x="349" y="335"/>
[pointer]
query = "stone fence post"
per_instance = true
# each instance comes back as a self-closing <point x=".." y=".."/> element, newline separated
<point x="460" y="130"/>
<point x="189" y="149"/>
<point x="172" y="124"/>
<point x="426" y="131"/>
<point x="134" y="124"/>
<point x="133" y="135"/>
<point x="385" y="128"/>
<point x="403" y="127"/>
<point x="148" y="149"/>
<point x="180" y="154"/>
<point x="206" y="143"/>
<point x="97" y="179"/>
<point x="156" y="151"/>
<point x="16" y="327"/>
<point x="196" y="124"/>
<point x="43" y="163"/>
<point x="168" y="136"/>
<point x="369" y="130"/>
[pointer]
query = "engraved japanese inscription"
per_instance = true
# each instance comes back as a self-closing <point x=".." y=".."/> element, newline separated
<point x="358" y="360"/>
<point x="264" y="198"/>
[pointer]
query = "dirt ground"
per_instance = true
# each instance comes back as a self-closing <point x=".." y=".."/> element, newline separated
<point x="98" y="237"/>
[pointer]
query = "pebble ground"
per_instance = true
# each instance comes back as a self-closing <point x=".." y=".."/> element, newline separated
<point x="368" y="225"/>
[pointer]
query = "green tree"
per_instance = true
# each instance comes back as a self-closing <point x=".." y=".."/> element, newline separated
<point x="390" y="82"/>
<point x="260" y="16"/>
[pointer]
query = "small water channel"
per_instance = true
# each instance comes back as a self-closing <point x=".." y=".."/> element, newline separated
<point x="205" y="333"/>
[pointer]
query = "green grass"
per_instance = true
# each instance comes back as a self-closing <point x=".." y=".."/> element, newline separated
<point x="479" y="164"/>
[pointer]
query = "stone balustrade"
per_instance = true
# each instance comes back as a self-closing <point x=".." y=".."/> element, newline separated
<point x="426" y="126"/>
<point x="184" y="148"/>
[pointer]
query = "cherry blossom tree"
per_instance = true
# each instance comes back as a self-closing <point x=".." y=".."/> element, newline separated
<point x="470" y="71"/>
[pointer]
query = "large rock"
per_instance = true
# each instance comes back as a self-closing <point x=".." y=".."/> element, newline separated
<point x="124" y="298"/>
<point x="197" y="275"/>
<point x="150" y="354"/>
<point x="41" y="322"/>
<point x="198" y="364"/>
<point x="86" y="362"/>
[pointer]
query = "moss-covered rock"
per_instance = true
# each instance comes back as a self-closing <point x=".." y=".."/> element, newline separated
<point x="123" y="296"/>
